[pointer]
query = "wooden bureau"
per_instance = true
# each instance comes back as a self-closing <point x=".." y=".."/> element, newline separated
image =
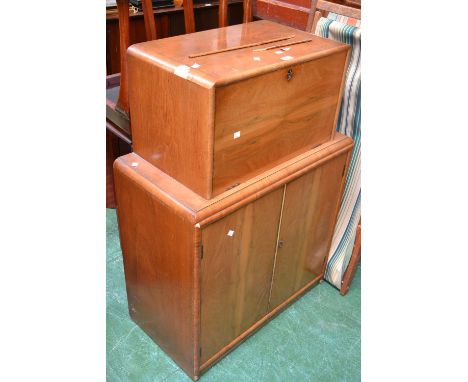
<point x="202" y="275"/>
<point x="212" y="109"/>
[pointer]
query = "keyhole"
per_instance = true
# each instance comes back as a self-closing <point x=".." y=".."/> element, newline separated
<point x="280" y="244"/>
<point x="290" y="74"/>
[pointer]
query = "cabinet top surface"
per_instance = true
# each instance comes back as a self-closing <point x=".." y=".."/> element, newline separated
<point x="158" y="182"/>
<point x="224" y="55"/>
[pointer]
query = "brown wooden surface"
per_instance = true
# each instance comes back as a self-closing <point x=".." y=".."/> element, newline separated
<point x="295" y="13"/>
<point x="308" y="219"/>
<point x="223" y="14"/>
<point x="207" y="211"/>
<point x="115" y="147"/>
<point x="171" y="123"/>
<point x="348" y="9"/>
<point x="150" y="25"/>
<point x="174" y="116"/>
<point x="124" y="42"/>
<point x="353" y="263"/>
<point x="303" y="113"/>
<point x="228" y="67"/>
<point x="189" y="16"/>
<point x="236" y="271"/>
<point x="110" y="196"/>
<point x="312" y="21"/>
<point x="282" y="12"/>
<point x="159" y="271"/>
<point x="168" y="22"/>
<point x="161" y="222"/>
<point x="224" y="351"/>
<point x="247" y="6"/>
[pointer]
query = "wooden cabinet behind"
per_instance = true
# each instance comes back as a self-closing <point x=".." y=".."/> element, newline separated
<point x="169" y="22"/>
<point x="203" y="274"/>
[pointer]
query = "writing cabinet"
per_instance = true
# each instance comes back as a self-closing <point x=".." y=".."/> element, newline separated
<point x="202" y="275"/>
<point x="222" y="105"/>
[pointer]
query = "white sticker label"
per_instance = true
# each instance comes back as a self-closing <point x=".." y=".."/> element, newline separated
<point x="256" y="58"/>
<point x="134" y="164"/>
<point x="182" y="71"/>
<point x="237" y="134"/>
<point x="230" y="233"/>
<point x="195" y="66"/>
<point x="287" y="58"/>
<point x="279" y="52"/>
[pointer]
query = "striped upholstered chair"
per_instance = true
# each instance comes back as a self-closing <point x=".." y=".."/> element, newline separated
<point x="345" y="249"/>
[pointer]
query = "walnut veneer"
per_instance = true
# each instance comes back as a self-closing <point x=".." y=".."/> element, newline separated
<point x="215" y="108"/>
<point x="202" y="275"/>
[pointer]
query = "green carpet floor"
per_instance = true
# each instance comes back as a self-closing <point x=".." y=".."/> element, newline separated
<point x="316" y="339"/>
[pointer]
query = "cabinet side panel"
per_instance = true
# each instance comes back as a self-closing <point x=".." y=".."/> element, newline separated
<point x="158" y="249"/>
<point x="307" y="224"/>
<point x="238" y="256"/>
<point x="267" y="119"/>
<point x="172" y="123"/>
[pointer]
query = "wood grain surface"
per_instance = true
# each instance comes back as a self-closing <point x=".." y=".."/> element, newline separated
<point x="172" y="124"/>
<point x="200" y="273"/>
<point x="279" y="117"/>
<point x="308" y="220"/>
<point x="204" y="211"/>
<point x="214" y="121"/>
<point x="224" y="68"/>
<point x="159" y="267"/>
<point x="236" y="271"/>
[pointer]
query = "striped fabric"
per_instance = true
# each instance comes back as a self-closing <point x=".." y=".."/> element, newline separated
<point x="349" y="123"/>
<point x="344" y="19"/>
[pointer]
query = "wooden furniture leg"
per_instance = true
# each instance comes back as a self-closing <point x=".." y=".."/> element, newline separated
<point x="150" y="24"/>
<point x="110" y="157"/>
<point x="115" y="147"/>
<point x="353" y="263"/>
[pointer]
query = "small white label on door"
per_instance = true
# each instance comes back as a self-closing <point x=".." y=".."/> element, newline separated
<point x="230" y="232"/>
<point x="237" y="134"/>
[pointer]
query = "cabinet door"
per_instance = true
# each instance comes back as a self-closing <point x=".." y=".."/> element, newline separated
<point x="237" y="267"/>
<point x="307" y="223"/>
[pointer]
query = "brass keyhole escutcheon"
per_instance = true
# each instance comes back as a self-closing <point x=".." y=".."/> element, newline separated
<point x="290" y="74"/>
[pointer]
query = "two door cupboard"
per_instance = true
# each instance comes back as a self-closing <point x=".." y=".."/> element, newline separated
<point x="202" y="275"/>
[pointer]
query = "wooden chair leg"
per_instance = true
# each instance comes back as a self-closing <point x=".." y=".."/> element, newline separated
<point x="189" y="18"/>
<point x="111" y="155"/>
<point x="124" y="33"/>
<point x="223" y="13"/>
<point x="150" y="23"/>
<point x="247" y="18"/>
<point x="353" y="263"/>
<point x="311" y="17"/>
<point x="317" y="17"/>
